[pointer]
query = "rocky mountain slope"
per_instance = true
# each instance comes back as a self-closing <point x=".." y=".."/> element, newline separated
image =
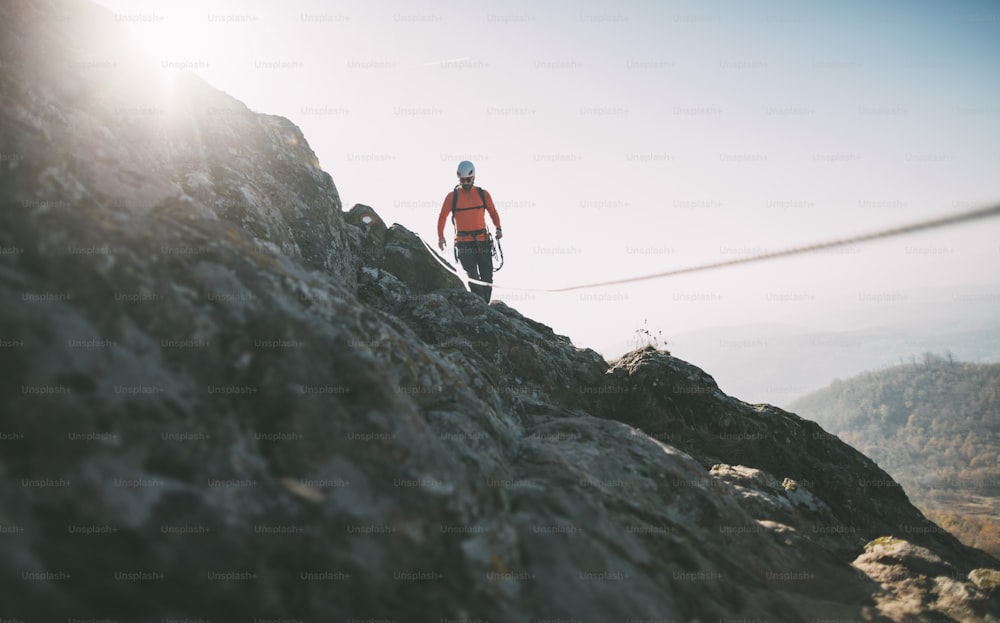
<point x="223" y="398"/>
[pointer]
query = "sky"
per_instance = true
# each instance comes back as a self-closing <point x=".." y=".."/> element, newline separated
<point x="626" y="138"/>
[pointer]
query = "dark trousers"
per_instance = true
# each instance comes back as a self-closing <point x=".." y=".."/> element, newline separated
<point x="477" y="260"/>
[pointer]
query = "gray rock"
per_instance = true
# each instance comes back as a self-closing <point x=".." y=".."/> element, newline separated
<point x="223" y="398"/>
<point x="919" y="585"/>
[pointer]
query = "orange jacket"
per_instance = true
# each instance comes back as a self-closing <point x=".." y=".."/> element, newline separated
<point x="466" y="219"/>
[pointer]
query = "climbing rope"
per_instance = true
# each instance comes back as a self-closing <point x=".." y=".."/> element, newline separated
<point x="945" y="221"/>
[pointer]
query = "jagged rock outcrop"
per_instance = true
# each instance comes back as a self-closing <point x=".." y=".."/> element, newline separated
<point x="397" y="253"/>
<point x="690" y="412"/>
<point x="225" y="399"/>
<point x="920" y="586"/>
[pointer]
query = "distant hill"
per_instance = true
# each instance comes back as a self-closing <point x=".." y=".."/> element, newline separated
<point x="934" y="425"/>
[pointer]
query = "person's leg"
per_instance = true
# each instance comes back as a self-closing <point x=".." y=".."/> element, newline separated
<point x="468" y="256"/>
<point x="485" y="259"/>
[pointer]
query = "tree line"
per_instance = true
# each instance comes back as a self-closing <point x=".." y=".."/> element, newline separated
<point x="933" y="423"/>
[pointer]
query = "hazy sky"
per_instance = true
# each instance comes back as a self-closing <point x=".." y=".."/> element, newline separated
<point x="626" y="138"/>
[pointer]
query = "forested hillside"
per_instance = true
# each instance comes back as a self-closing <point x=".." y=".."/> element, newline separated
<point x="934" y="425"/>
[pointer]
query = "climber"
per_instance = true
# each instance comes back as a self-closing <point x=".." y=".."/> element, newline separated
<point x="468" y="206"/>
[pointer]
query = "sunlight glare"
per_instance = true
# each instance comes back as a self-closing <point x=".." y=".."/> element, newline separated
<point x="177" y="36"/>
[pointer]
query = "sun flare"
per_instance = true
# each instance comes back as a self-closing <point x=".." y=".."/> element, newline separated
<point x="177" y="36"/>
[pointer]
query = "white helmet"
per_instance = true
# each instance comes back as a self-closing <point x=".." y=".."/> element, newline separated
<point x="466" y="174"/>
<point x="466" y="169"/>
